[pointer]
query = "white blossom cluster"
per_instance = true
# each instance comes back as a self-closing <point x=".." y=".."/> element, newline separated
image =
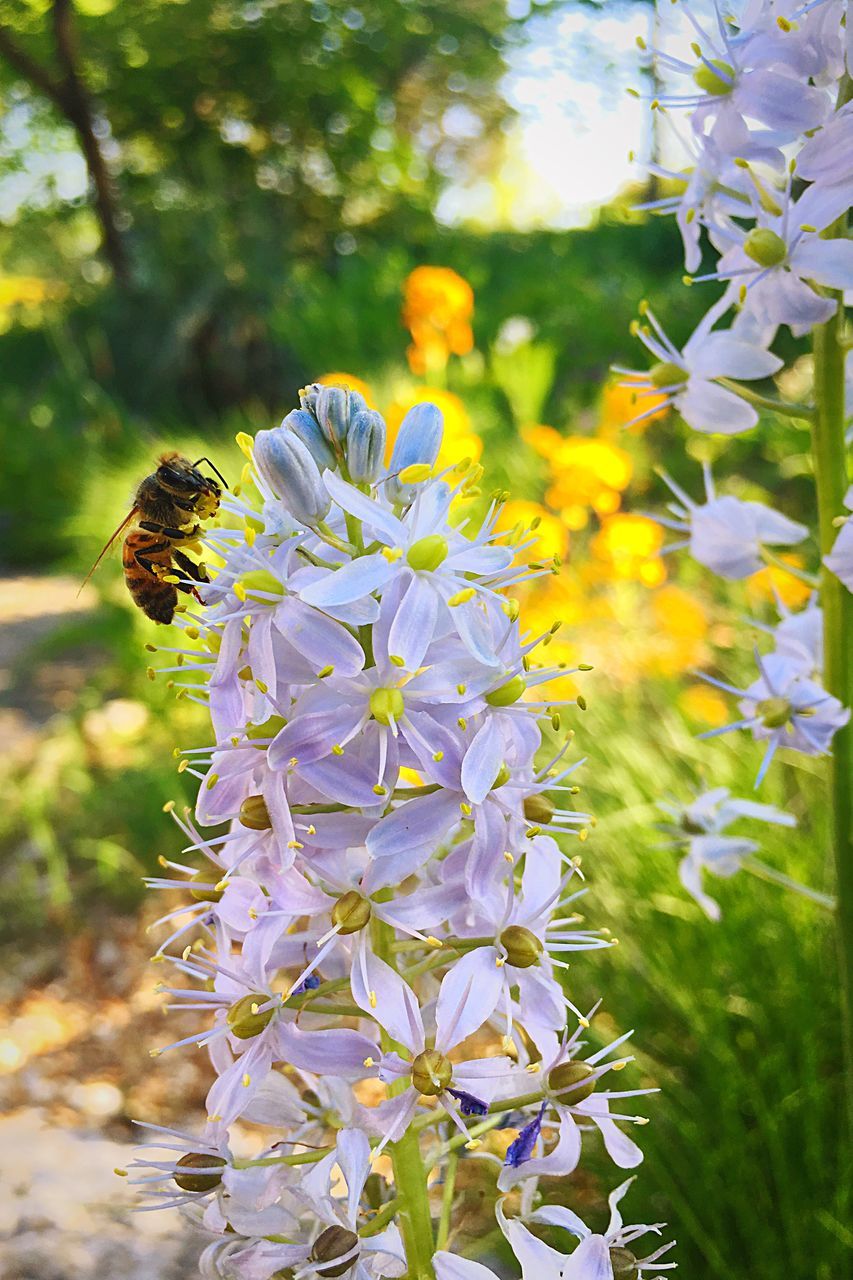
<point x="761" y="108"/>
<point x="374" y="946"/>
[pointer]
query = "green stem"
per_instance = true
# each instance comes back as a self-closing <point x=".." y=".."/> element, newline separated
<point x="830" y="464"/>
<point x="805" y="412"/>
<point x="447" y="1201"/>
<point x="410" y="1176"/>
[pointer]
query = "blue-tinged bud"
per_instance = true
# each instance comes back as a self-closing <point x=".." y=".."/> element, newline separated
<point x="520" y="1151"/>
<point x="418" y="440"/>
<point x="291" y="472"/>
<point x="366" y="446"/>
<point x="332" y="410"/>
<point x="305" y="426"/>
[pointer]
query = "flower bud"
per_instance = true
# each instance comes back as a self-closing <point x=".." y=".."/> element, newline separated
<point x="418" y="440"/>
<point x="289" y="469"/>
<point x="247" y="1018"/>
<point x="570" y="1082"/>
<point x="427" y="553"/>
<point x="366" y="446"/>
<point x="254" y="814"/>
<point x="522" y="947"/>
<point x="538" y="809"/>
<point x="506" y="694"/>
<point x="431" y="1073"/>
<point x="765" y="247"/>
<point x="714" y="77"/>
<point x="203" y="893"/>
<point x="191" y="1180"/>
<point x="667" y="374"/>
<point x="386" y="705"/>
<point x="351" y="912"/>
<point x="774" y="712"/>
<point x="332" y="410"/>
<point x="334" y="1242"/>
<point x="307" y="429"/>
<point x="624" y="1264"/>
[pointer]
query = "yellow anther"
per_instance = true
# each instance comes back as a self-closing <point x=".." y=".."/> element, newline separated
<point x="583" y="834"/>
<point x="239" y="591"/>
<point x="184" y="765"/>
<point x="221" y="886"/>
<point x="508" y="857"/>
<point x="244" y="443"/>
<point x="500" y="961"/>
<point x="396" y="659"/>
<point x="433" y="941"/>
<point x="392" y="554"/>
<point x="253" y="915"/>
<point x="212" y="781"/>
<point x="247" y="1080"/>
<point x="584" y="1022"/>
<point x="460" y="689"/>
<point x="379" y="790"/>
<point x="437" y="755"/>
<point x="416" y="473"/>
<point x="311" y="829"/>
<point x="295" y="844"/>
<point x="466" y="808"/>
<point x="120" y="1173"/>
<point x="151" y="673"/>
<point x="186" y="953"/>
<point x="154" y="1053"/>
<point x="472" y="1144"/>
<point x="369" y="1062"/>
<point x="372" y="999"/>
<point x="250" y="535"/>
<point x="325" y="671"/>
<point x="461" y="597"/>
<point x="337" y="749"/>
<point x="462" y="722"/>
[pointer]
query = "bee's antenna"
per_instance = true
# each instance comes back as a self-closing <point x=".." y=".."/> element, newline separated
<point x="213" y="468"/>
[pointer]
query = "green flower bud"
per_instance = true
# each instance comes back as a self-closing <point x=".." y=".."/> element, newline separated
<point x="570" y="1082"/>
<point x="667" y="374"/>
<point x="431" y="1073"/>
<point x="503" y="775"/>
<point x="428" y="553"/>
<point x="765" y="247"/>
<point x="774" y="712"/>
<point x="538" y="809"/>
<point x="266" y="729"/>
<point x="522" y="947"/>
<point x="333" y="1243"/>
<point x="204" y="894"/>
<point x="254" y="813"/>
<point x="624" y="1264"/>
<point x="351" y="912"/>
<point x="386" y="705"/>
<point x="189" y="1180"/>
<point x="709" y="81"/>
<point x="246" y="1018"/>
<point x="506" y="694"/>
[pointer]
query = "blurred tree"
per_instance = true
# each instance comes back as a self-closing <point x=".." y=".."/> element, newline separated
<point x="224" y="141"/>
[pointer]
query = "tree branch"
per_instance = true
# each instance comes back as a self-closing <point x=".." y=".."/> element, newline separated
<point x="69" y="95"/>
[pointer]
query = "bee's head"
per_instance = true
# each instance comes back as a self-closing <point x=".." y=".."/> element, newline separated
<point x="179" y="476"/>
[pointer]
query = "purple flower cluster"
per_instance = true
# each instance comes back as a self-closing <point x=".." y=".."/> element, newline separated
<point x="382" y="914"/>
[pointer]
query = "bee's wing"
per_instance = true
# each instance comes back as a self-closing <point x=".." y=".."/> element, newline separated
<point x="132" y="513"/>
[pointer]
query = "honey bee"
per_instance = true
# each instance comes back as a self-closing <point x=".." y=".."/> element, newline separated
<point x="167" y="514"/>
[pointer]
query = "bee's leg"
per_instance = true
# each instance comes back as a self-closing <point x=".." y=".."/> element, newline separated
<point x="141" y="557"/>
<point x="174" y="535"/>
<point x="193" y="570"/>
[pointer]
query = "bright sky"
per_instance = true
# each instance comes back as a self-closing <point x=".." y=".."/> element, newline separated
<point x="568" y="152"/>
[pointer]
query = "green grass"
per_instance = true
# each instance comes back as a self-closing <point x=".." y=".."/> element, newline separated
<point x="737" y="1022"/>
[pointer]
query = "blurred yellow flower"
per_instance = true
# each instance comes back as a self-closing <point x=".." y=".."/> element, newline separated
<point x="27" y="291"/>
<point x="552" y="536"/>
<point x="437" y="309"/>
<point x="679" y="626"/>
<point x="586" y="473"/>
<point x="774" y="581"/>
<point x="460" y="439"/>
<point x="704" y="705"/>
<point x="351" y="382"/>
<point x="620" y="404"/>
<point x="628" y="547"/>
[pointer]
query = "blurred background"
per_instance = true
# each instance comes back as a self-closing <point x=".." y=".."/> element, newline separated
<point x="204" y="204"/>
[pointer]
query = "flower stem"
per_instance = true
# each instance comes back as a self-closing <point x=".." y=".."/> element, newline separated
<point x="831" y="481"/>
<point x="805" y="412"/>
<point x="409" y="1171"/>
